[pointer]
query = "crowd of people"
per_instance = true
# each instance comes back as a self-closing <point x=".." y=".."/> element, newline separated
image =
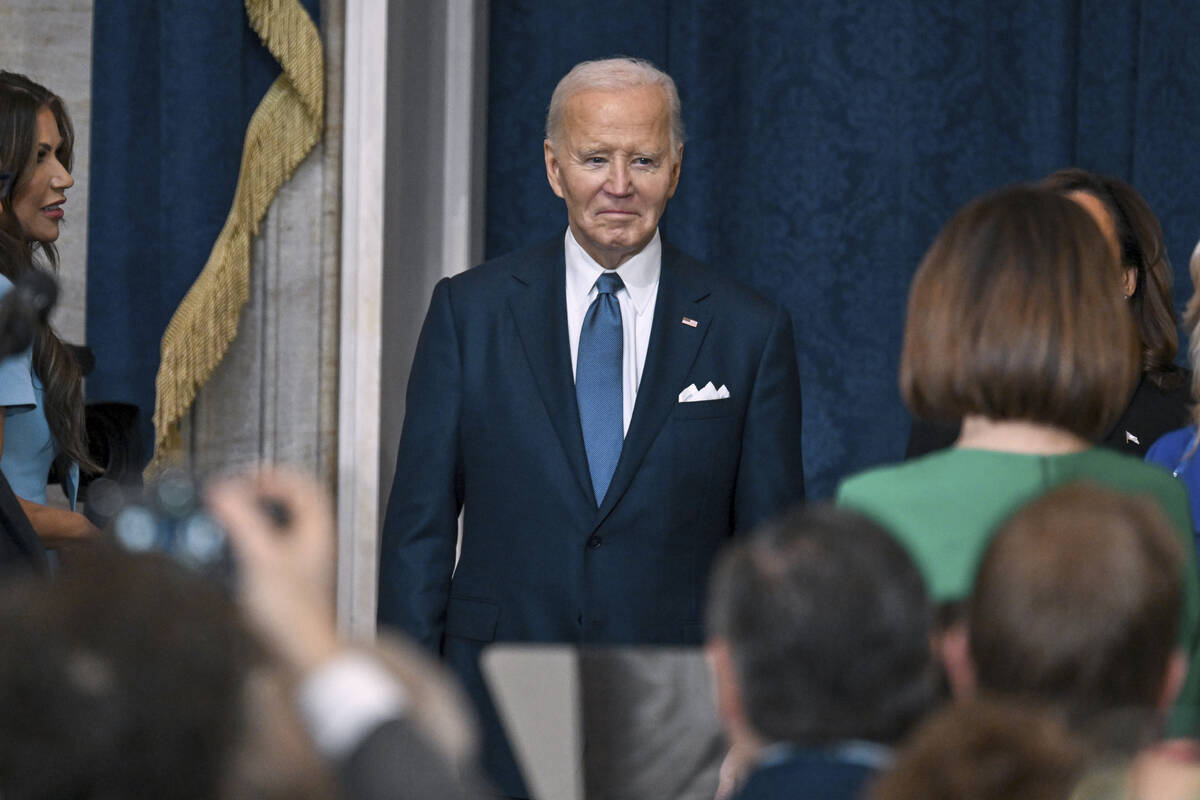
<point x="1013" y="611"/>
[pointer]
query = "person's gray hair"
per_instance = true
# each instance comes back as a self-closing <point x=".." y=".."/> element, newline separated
<point x="621" y="72"/>
<point x="828" y="622"/>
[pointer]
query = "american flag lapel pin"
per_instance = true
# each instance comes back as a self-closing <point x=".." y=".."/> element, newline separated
<point x="691" y="323"/>
<point x="1129" y="437"/>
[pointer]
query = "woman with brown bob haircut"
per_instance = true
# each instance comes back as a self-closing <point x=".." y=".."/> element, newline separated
<point x="1016" y="325"/>
<point x="1016" y="314"/>
<point x="1158" y="399"/>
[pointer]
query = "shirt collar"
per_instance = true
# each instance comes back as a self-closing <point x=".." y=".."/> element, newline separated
<point x="852" y="751"/>
<point x="639" y="274"/>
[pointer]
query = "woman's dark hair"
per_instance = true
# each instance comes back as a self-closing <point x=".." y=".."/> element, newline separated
<point x="20" y="101"/>
<point x="1143" y="249"/>
<point x="1016" y="314"/>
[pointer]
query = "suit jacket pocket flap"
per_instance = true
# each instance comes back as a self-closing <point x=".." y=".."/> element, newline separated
<point x="703" y="409"/>
<point x="472" y="619"/>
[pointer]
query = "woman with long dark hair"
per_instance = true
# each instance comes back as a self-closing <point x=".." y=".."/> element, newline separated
<point x="1158" y="400"/>
<point x="41" y="390"/>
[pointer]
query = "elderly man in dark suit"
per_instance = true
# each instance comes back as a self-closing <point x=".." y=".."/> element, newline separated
<point x="605" y="410"/>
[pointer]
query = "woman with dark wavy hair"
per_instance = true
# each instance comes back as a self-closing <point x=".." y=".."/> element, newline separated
<point x="41" y="390"/>
<point x="1159" y="401"/>
<point x="1126" y="218"/>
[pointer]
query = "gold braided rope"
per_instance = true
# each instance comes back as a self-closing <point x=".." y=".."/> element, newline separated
<point x="284" y="128"/>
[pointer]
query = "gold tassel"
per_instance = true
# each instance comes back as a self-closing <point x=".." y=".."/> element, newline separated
<point x="283" y="130"/>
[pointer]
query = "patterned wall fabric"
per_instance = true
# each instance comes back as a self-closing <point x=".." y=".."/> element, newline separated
<point x="830" y="139"/>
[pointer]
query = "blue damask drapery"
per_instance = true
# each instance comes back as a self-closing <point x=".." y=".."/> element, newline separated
<point x="829" y="140"/>
<point x="174" y="83"/>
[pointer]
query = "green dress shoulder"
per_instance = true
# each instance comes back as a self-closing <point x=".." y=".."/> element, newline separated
<point x="944" y="507"/>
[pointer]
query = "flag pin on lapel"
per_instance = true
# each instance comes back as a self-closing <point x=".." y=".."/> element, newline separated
<point x="1129" y="437"/>
<point x="691" y="323"/>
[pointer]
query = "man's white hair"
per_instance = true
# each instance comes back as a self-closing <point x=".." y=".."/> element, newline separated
<point x="622" y="72"/>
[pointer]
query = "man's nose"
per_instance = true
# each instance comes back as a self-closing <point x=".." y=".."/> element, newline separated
<point x="619" y="179"/>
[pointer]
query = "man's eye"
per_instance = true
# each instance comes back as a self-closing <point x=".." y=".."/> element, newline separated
<point x="644" y="161"/>
<point x="595" y="159"/>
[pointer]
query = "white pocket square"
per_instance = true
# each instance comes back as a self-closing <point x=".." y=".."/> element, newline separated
<point x="692" y="395"/>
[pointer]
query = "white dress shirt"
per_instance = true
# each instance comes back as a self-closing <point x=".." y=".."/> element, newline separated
<point x="640" y="275"/>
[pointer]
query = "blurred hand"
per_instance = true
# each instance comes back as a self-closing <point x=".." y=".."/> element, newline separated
<point x="285" y="566"/>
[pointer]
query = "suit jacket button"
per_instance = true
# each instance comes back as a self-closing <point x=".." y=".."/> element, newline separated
<point x="593" y="542"/>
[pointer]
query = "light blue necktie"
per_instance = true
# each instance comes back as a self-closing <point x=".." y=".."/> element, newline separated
<point x="598" y="386"/>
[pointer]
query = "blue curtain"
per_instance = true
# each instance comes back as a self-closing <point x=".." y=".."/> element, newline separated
<point x="174" y="83"/>
<point x="828" y="142"/>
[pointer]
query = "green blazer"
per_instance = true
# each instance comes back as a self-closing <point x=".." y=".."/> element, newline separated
<point x="944" y="507"/>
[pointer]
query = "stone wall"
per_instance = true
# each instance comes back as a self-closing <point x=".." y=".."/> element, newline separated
<point x="274" y="397"/>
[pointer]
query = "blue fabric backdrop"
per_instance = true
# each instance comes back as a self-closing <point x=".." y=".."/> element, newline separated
<point x="174" y="83"/>
<point x="830" y="139"/>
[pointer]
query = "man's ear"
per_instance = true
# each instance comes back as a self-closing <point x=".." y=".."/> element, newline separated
<point x="953" y="648"/>
<point x="729" y="696"/>
<point x="1177" y="667"/>
<point x="675" y="172"/>
<point x="552" y="170"/>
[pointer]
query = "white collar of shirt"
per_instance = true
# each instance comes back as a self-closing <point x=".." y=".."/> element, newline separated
<point x="639" y="274"/>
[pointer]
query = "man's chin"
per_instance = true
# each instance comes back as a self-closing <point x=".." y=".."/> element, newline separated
<point x="626" y="242"/>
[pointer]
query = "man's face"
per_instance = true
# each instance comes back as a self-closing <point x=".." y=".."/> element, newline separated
<point x="615" y="169"/>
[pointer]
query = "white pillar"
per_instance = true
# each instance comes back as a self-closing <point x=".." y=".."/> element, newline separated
<point x="415" y="126"/>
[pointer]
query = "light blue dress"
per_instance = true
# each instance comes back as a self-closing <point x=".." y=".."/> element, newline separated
<point x="29" y="447"/>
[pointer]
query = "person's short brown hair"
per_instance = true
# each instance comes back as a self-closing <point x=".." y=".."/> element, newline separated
<point x="986" y="750"/>
<point x="1015" y="313"/>
<point x="1077" y="601"/>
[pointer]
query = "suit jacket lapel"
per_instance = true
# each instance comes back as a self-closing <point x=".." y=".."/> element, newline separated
<point x="538" y="306"/>
<point x="673" y="349"/>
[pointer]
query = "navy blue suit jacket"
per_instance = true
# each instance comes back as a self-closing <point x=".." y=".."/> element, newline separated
<point x="808" y="775"/>
<point x="492" y="427"/>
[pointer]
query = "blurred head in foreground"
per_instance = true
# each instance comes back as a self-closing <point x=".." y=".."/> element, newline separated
<point x="1077" y="604"/>
<point x="134" y="678"/>
<point x="986" y="750"/>
<point x="819" y="630"/>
